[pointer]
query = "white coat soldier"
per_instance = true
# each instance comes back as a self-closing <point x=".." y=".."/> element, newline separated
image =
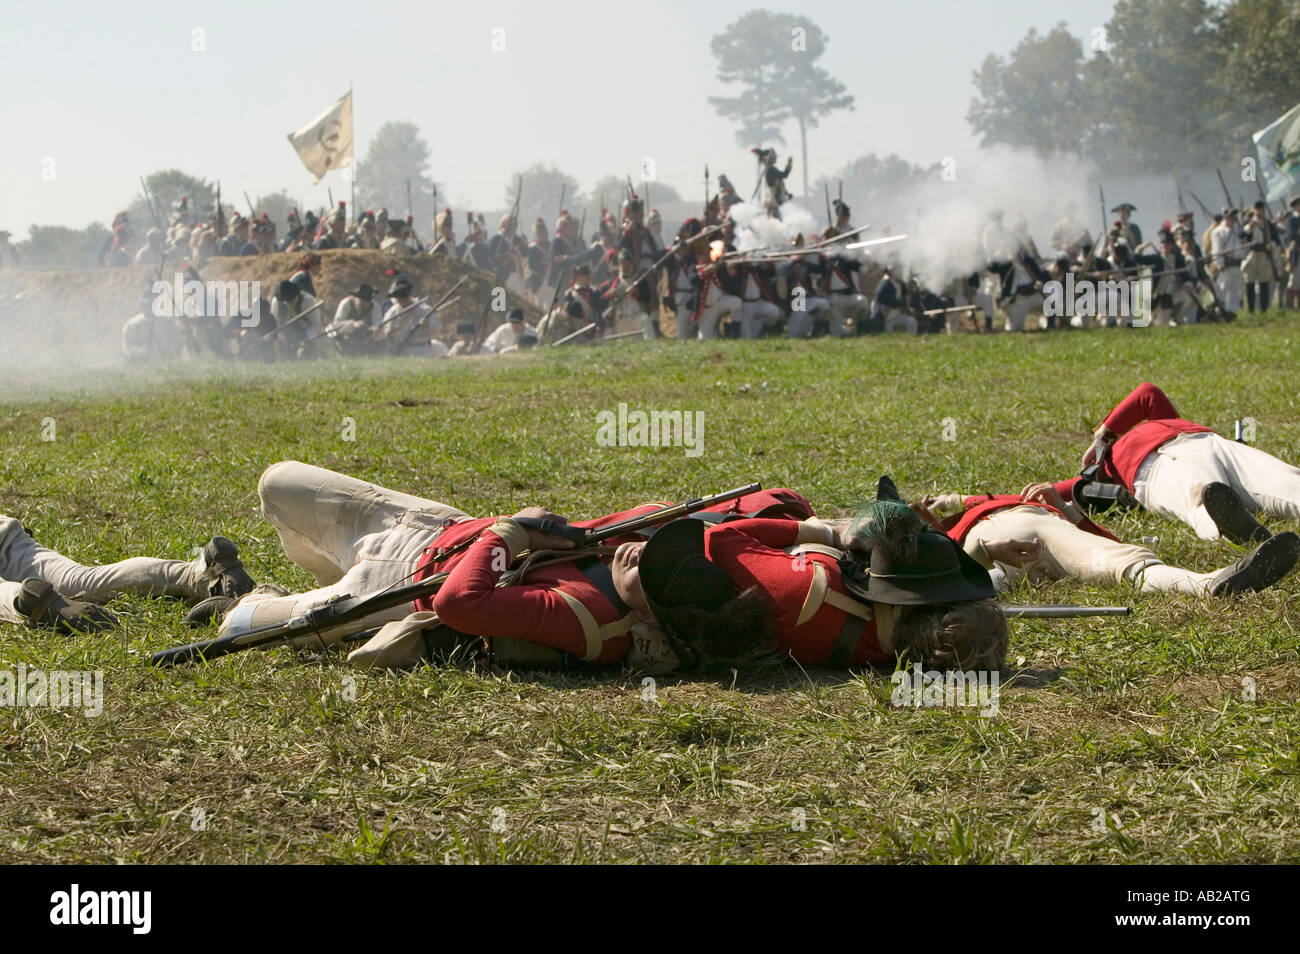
<point x="414" y="333"/>
<point x="355" y="319"/>
<point x="1227" y="254"/>
<point x="394" y="242"/>
<point x="148" y="336"/>
<point x="506" y="338"/>
<point x="151" y="253"/>
<point x="1069" y="234"/>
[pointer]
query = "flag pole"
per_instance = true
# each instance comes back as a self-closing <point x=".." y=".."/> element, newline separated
<point x="352" y="167"/>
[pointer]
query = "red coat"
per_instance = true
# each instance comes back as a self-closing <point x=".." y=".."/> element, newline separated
<point x="541" y="609"/>
<point x="1142" y="422"/>
<point x="752" y="554"/>
<point x="978" y="507"/>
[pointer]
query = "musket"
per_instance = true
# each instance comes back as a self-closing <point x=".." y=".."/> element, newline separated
<point x="148" y="200"/>
<point x="620" y="292"/>
<point x="792" y="252"/>
<point x="350" y="609"/>
<point x="621" y="334"/>
<point x="1063" y="611"/>
<point x="829" y="221"/>
<point x="880" y="241"/>
<point x="446" y="299"/>
<point x="1105" y="227"/>
<point x="1209" y="216"/>
<point x="1227" y="197"/>
<point x="1182" y="206"/>
<point x="948" y="311"/>
<point x="221" y="216"/>
<point x="581" y="331"/>
<point x="400" y="312"/>
<point x="251" y="211"/>
<point x="706" y="192"/>
<point x="278" y="328"/>
<point x="564" y="186"/>
<point x="410" y="206"/>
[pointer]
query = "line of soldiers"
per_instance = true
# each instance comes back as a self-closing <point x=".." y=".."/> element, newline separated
<point x="1247" y="254"/>
<point x="627" y="280"/>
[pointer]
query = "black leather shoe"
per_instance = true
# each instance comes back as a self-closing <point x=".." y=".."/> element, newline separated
<point x="1261" y="568"/>
<point x="43" y="608"/>
<point x="1231" y="515"/>
<point x="223" y="569"/>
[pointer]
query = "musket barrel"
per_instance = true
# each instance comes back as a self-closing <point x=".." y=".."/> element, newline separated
<point x="1064" y="611"/>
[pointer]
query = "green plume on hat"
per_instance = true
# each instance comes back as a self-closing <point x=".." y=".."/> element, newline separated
<point x="886" y="524"/>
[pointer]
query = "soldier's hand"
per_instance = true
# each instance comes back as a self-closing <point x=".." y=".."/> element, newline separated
<point x="1044" y="493"/>
<point x="1097" y="449"/>
<point x="1014" y="552"/>
<point x="544" y="541"/>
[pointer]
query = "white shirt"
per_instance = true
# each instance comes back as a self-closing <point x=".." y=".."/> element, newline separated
<point x="1223" y="238"/>
<point x="505" y="337"/>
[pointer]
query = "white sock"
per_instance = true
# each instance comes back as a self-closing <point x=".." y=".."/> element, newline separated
<point x="1162" y="578"/>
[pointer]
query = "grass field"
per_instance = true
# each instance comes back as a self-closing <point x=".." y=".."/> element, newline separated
<point x="1116" y="741"/>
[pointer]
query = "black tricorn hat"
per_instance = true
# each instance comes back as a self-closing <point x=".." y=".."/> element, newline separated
<point x="399" y="281"/>
<point x="288" y="291"/>
<point x="941" y="572"/>
<point x="1125" y="206"/>
<point x="365" y="291"/>
<point x="675" y="573"/>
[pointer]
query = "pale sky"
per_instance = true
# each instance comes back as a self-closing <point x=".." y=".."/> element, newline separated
<point x="110" y="92"/>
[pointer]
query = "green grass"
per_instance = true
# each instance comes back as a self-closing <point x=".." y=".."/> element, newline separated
<point x="1119" y="741"/>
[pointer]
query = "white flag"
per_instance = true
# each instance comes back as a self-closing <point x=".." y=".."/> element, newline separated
<point x="1278" y="145"/>
<point x="325" y="143"/>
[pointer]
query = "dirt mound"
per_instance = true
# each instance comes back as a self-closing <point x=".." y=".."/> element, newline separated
<point x="75" y="316"/>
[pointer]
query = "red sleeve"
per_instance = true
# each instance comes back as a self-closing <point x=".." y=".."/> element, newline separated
<point x="471" y="602"/>
<point x="1146" y="403"/>
<point x="750" y="552"/>
<point x="727" y="538"/>
<point x="1066" y="488"/>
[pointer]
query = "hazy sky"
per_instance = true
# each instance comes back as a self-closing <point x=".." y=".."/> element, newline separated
<point x="112" y="91"/>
